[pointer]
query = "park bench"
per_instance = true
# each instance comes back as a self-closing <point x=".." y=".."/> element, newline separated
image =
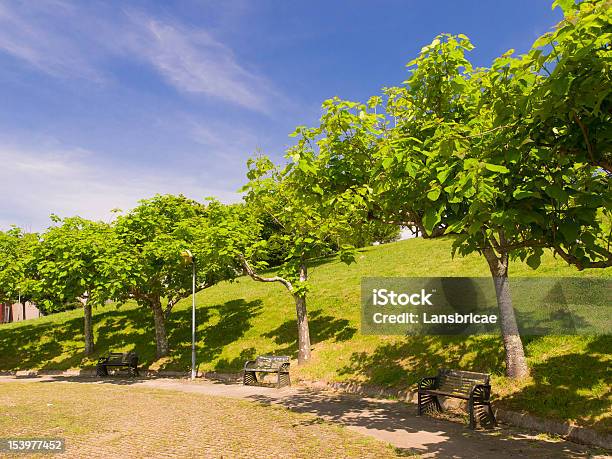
<point x="465" y="385"/>
<point x="267" y="364"/>
<point x="128" y="360"/>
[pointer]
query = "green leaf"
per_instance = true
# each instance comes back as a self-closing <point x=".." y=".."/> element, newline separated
<point x="534" y="260"/>
<point x="569" y="230"/>
<point x="434" y="194"/>
<point x="497" y="168"/>
<point x="566" y="5"/>
<point x="522" y="194"/>
<point x="386" y="163"/>
<point x="431" y="218"/>
<point x="443" y="175"/>
<point x="557" y="193"/>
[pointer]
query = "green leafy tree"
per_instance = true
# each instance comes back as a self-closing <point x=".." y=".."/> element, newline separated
<point x="16" y="249"/>
<point x="155" y="233"/>
<point x="452" y="162"/>
<point x="77" y="261"/>
<point x="306" y="227"/>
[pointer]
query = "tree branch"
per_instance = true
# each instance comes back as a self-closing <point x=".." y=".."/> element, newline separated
<point x="580" y="265"/>
<point x="249" y="271"/>
<point x="585" y="135"/>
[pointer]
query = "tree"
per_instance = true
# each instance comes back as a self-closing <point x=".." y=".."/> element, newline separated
<point x="570" y="109"/>
<point x="16" y="249"/>
<point x="77" y="261"/>
<point x="154" y="234"/>
<point x="307" y="227"/>
<point x="453" y="163"/>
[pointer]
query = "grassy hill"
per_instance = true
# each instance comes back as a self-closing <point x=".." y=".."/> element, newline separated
<point x="570" y="374"/>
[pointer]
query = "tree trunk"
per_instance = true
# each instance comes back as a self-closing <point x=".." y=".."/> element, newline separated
<point x="302" y="322"/>
<point x="87" y="326"/>
<point x="161" y="340"/>
<point x="516" y="365"/>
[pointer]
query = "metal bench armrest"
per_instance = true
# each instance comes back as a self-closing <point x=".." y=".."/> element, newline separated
<point x="481" y="392"/>
<point x="429" y="382"/>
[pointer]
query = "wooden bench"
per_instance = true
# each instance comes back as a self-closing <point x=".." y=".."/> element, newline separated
<point x="464" y="385"/>
<point x="267" y="364"/>
<point x="128" y="360"/>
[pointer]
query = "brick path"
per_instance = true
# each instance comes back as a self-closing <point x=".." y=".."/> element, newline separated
<point x="389" y="421"/>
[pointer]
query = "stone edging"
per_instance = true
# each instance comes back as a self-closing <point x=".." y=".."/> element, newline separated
<point x="574" y="433"/>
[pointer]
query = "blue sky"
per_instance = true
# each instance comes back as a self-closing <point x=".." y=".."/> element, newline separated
<point x="105" y="103"/>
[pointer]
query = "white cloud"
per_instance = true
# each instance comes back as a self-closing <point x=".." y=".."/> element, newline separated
<point x="76" y="41"/>
<point x="36" y="184"/>
<point x="195" y="62"/>
<point x="37" y="37"/>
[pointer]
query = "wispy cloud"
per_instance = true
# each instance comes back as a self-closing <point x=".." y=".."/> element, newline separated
<point x="194" y="61"/>
<point x="74" y="182"/>
<point x="33" y="32"/>
<point x="77" y="41"/>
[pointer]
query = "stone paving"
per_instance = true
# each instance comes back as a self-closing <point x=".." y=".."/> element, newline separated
<point x="392" y="422"/>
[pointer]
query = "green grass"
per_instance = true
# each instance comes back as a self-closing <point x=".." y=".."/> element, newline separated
<point x="570" y="374"/>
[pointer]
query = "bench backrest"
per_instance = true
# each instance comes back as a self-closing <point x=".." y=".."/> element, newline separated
<point x="121" y="358"/>
<point x="460" y="382"/>
<point x="272" y="362"/>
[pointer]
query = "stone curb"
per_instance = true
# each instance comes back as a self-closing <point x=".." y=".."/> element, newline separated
<point x="570" y="432"/>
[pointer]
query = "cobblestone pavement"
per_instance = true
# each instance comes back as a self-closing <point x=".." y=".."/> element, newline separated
<point x="392" y="422"/>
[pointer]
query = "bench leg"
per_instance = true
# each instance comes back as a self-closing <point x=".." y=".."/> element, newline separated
<point x="101" y="370"/>
<point x="249" y="378"/>
<point x="283" y="380"/>
<point x="483" y="415"/>
<point x="428" y="403"/>
<point x="471" y="410"/>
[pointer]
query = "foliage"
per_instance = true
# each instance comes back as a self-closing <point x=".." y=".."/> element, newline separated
<point x="16" y="249"/>
<point x="242" y="319"/>
<point x="76" y="259"/>
<point x="307" y="228"/>
<point x="155" y="233"/>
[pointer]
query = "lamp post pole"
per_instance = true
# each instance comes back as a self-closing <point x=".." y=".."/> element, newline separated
<point x="188" y="257"/>
<point x="193" y="320"/>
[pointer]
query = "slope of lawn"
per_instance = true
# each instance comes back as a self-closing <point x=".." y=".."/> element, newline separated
<point x="237" y="321"/>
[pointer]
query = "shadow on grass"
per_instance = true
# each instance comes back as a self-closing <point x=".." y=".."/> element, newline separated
<point x="234" y="320"/>
<point x="322" y="328"/>
<point x="571" y="386"/>
<point x="59" y="345"/>
<point x="402" y="364"/>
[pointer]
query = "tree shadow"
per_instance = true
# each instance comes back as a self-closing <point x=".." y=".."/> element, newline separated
<point x="426" y="435"/>
<point x="402" y="364"/>
<point x="563" y="386"/>
<point x="234" y="320"/>
<point x="58" y="345"/>
<point x="322" y="328"/>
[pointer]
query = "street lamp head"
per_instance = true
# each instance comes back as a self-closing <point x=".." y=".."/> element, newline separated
<point x="187" y="256"/>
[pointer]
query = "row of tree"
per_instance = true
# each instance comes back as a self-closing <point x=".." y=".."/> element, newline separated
<point x="81" y="263"/>
<point x="512" y="160"/>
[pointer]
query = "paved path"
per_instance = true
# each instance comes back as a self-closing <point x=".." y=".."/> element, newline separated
<point x="389" y="421"/>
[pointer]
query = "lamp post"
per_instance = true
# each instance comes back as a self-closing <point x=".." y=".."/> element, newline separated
<point x="189" y="258"/>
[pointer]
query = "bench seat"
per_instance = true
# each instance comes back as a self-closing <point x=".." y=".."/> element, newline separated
<point x="464" y="385"/>
<point x="267" y="364"/>
<point x="128" y="360"/>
